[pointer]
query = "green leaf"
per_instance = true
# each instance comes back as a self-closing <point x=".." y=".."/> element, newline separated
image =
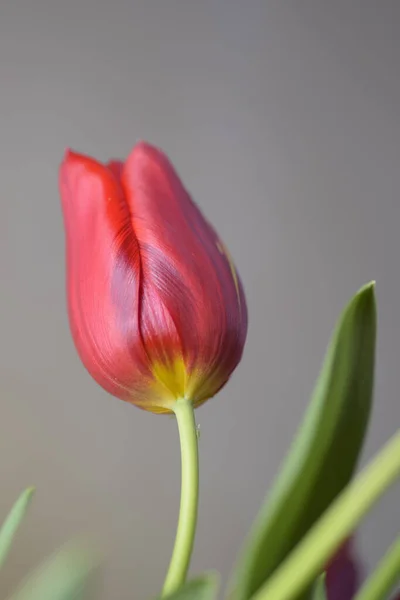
<point x="325" y="451"/>
<point x="319" y="589"/>
<point x="336" y="524"/>
<point x="12" y="523"/>
<point x="65" y="576"/>
<point x="201" y="588"/>
<point x="384" y="578"/>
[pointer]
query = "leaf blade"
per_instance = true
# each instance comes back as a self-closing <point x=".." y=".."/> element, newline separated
<point x="325" y="451"/>
<point x="337" y="523"/>
<point x="12" y="522"/>
<point x="64" y="576"/>
<point x="384" y="577"/>
<point x="319" y="589"/>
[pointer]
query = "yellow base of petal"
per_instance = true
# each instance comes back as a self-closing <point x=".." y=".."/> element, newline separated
<point x="172" y="381"/>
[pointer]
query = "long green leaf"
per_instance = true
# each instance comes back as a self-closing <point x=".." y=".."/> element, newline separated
<point x="12" y="523"/>
<point x="340" y="520"/>
<point x="325" y="451"/>
<point x="201" y="588"/>
<point x="65" y="576"/>
<point x="385" y="576"/>
<point x="319" y="589"/>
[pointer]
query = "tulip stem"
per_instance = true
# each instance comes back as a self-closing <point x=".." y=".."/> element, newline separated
<point x="184" y="540"/>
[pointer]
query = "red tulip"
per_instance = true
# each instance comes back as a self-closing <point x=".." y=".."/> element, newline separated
<point x="343" y="573"/>
<point x="156" y="308"/>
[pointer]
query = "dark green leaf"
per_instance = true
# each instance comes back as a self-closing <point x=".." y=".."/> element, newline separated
<point x="325" y="451"/>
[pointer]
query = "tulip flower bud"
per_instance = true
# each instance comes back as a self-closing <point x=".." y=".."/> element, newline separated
<point x="343" y="573"/>
<point x="156" y="307"/>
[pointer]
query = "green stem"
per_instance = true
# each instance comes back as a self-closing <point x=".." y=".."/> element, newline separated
<point x="189" y="497"/>
<point x="336" y="524"/>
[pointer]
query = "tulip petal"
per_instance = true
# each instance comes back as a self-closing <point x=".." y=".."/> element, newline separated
<point x="189" y="285"/>
<point x="103" y="265"/>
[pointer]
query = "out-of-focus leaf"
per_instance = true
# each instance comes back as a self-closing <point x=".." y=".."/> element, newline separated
<point x="307" y="559"/>
<point x="65" y="576"/>
<point x="385" y="577"/>
<point x="325" y="451"/>
<point x="319" y="589"/>
<point x="201" y="588"/>
<point x="12" y="523"/>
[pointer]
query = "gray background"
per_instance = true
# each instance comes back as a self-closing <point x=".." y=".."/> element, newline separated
<point x="283" y="119"/>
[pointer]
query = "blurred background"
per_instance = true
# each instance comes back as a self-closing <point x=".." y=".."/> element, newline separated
<point x="283" y="119"/>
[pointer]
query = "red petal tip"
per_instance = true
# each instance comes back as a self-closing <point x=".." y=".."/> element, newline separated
<point x="70" y="154"/>
<point x="145" y="148"/>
